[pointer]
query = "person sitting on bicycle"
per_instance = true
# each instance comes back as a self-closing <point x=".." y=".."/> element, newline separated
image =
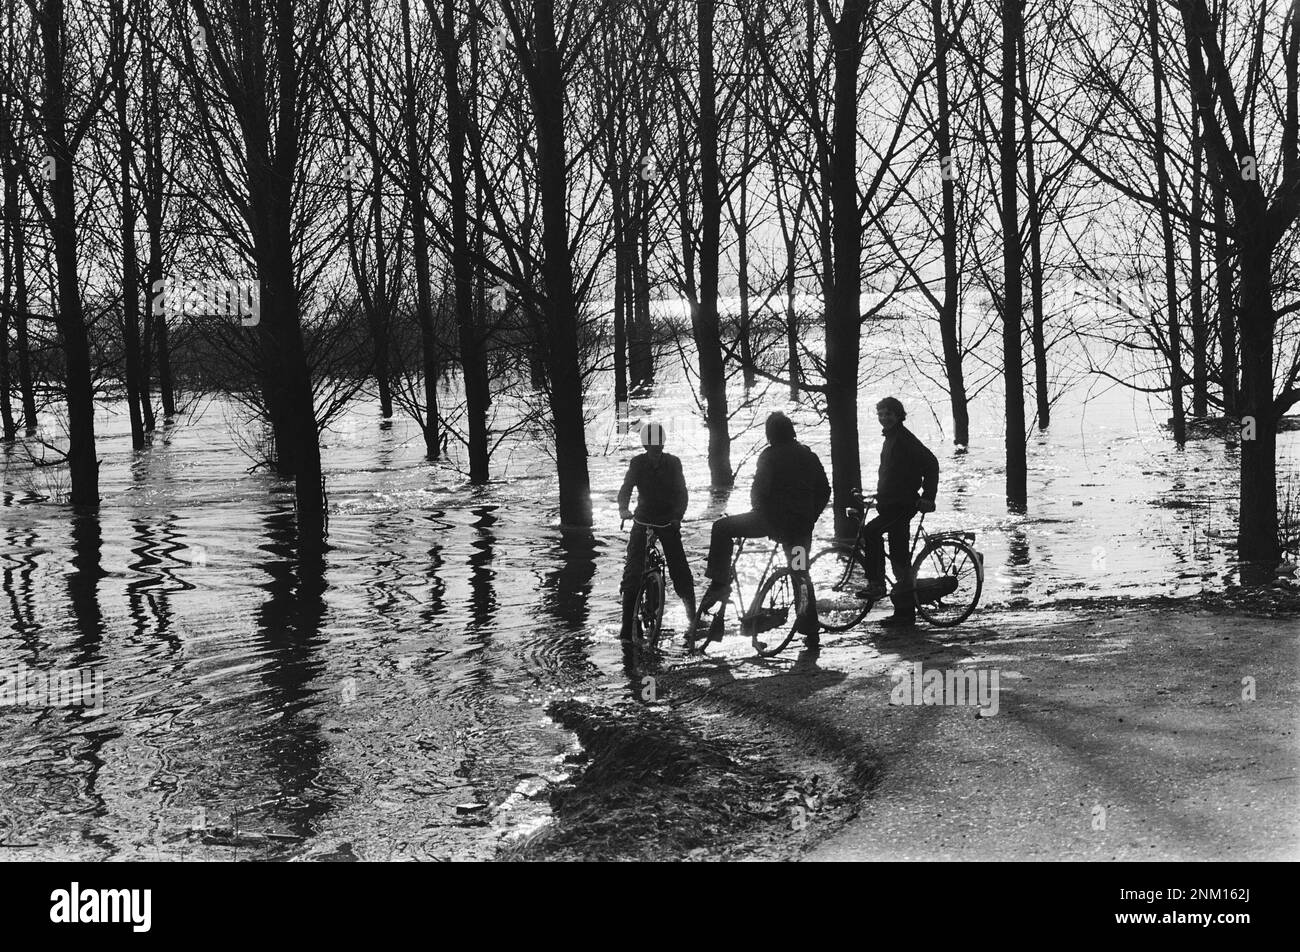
<point x="789" y="492"/>
<point x="906" y="469"/>
<point x="661" y="500"/>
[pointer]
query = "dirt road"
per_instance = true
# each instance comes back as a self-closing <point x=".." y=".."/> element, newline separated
<point x="1118" y="735"/>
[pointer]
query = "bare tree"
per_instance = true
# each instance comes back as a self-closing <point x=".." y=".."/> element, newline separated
<point x="1012" y="288"/>
<point x="1262" y="222"/>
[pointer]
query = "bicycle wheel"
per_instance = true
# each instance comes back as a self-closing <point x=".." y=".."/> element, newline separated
<point x="839" y="578"/>
<point x="650" y="608"/>
<point x="771" y="622"/>
<point x="948" y="577"/>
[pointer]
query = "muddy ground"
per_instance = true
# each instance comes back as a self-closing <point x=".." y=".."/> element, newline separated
<point x="1153" y="729"/>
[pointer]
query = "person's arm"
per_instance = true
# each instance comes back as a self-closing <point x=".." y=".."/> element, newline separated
<point x="823" y="484"/>
<point x="762" y="484"/>
<point x="625" y="494"/>
<point x="929" y="465"/>
<point x="681" y="496"/>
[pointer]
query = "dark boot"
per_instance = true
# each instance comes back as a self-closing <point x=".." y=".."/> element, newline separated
<point x="900" y="619"/>
<point x="874" y="591"/>
<point x="715" y="594"/>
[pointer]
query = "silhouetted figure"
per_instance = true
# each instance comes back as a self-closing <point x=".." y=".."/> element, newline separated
<point x="906" y="469"/>
<point x="661" y="499"/>
<point x="788" y="494"/>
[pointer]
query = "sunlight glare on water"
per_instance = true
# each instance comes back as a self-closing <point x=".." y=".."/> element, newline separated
<point x="386" y="705"/>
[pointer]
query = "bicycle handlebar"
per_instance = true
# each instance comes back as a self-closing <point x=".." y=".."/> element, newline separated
<point x="649" y="525"/>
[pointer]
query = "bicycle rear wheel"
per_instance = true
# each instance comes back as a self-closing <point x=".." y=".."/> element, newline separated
<point x="650" y="608"/>
<point x="948" y="577"/>
<point x="838" y="579"/>
<point x="771" y="622"/>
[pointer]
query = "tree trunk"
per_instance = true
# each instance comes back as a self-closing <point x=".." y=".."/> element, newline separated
<point x="792" y="324"/>
<point x="1225" y="293"/>
<point x="78" y="382"/>
<point x="1257" y="535"/>
<point x="641" y="355"/>
<point x="1034" y="222"/>
<point x="640" y="339"/>
<point x="378" y="312"/>
<point x="949" y="329"/>
<point x="155" y="335"/>
<point x="708" y="340"/>
<point x="742" y="266"/>
<point x="1200" y="332"/>
<point x="844" y="316"/>
<point x="420" y="248"/>
<point x="1179" y="419"/>
<point x="621" y="296"/>
<point x="296" y="434"/>
<point x="790" y="240"/>
<point x="1258" y="230"/>
<point x="14" y="304"/>
<point x="130" y="264"/>
<point x="1012" y="305"/>
<point x="473" y="367"/>
<point x="25" y="386"/>
<point x="560" y="309"/>
<point x="9" y="238"/>
<point x="10" y="430"/>
<point x="616" y="174"/>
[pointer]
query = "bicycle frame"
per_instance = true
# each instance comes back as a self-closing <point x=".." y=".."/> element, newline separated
<point x="860" y="540"/>
<point x="735" y="578"/>
<point x="920" y="538"/>
<point x="654" y="560"/>
<point x="651" y="544"/>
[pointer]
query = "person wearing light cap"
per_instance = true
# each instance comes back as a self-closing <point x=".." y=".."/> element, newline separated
<point x="661" y="499"/>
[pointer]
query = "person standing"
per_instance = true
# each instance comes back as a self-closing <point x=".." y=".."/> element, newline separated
<point x="907" y="484"/>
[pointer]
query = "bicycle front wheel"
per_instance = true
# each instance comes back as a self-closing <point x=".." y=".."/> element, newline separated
<point x="650" y="608"/>
<point x="948" y="577"/>
<point x="840" y="582"/>
<point x="770" y="623"/>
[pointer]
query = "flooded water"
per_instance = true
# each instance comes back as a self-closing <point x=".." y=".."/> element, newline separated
<point x="389" y="703"/>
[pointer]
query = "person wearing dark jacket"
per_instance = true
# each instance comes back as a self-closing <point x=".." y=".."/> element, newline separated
<point x="789" y="492"/>
<point x="661" y="499"/>
<point x="906" y="469"/>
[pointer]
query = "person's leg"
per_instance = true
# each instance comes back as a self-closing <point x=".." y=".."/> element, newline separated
<point x="679" y="569"/>
<point x="749" y="525"/>
<point x="900" y="546"/>
<point x="873" y="536"/>
<point x="798" y="551"/>
<point x="900" y="558"/>
<point x="719" y="559"/>
<point x="633" y="566"/>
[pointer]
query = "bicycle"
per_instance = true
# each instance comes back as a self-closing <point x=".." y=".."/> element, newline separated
<point x="649" y="613"/>
<point x="946" y="583"/>
<point x="776" y="594"/>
